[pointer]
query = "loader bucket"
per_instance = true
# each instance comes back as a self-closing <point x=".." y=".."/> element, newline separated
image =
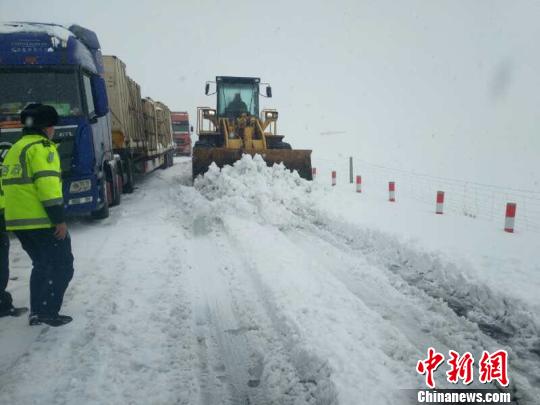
<point x="299" y="160"/>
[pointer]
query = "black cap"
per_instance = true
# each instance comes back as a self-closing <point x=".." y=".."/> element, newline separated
<point x="39" y="116"/>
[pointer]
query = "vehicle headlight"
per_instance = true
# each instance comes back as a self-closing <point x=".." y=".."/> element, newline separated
<point x="80" y="186"/>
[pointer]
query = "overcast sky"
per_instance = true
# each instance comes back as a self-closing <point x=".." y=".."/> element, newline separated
<point x="448" y="87"/>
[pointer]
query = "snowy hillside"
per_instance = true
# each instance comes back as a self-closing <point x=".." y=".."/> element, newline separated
<point x="256" y="287"/>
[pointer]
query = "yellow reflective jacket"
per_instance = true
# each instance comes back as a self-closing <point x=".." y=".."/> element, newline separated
<point x="31" y="180"/>
<point x="2" y="200"/>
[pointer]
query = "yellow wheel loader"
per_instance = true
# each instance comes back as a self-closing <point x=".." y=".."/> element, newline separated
<point x="235" y="127"/>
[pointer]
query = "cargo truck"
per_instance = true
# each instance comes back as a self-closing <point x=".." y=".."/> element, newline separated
<point x="141" y="128"/>
<point x="181" y="133"/>
<point x="50" y="64"/>
<point x="105" y="134"/>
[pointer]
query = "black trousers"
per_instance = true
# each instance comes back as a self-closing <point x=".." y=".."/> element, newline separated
<point x="6" y="301"/>
<point x="52" y="271"/>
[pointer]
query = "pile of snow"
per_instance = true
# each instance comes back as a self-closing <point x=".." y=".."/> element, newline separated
<point x="250" y="189"/>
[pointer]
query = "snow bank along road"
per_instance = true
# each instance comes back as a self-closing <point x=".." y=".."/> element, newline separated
<point x="247" y="289"/>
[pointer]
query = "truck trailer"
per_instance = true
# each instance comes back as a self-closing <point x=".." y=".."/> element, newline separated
<point x="63" y="67"/>
<point x="141" y="128"/>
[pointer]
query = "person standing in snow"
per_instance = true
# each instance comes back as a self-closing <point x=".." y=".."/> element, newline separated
<point x="34" y="211"/>
<point x="6" y="301"/>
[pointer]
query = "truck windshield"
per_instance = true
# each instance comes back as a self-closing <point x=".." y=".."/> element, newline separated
<point x="182" y="126"/>
<point x="59" y="89"/>
<point x="235" y="99"/>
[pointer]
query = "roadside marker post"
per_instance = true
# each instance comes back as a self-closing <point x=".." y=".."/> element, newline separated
<point x="510" y="217"/>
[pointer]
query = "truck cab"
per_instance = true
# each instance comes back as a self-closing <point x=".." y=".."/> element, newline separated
<point x="181" y="133"/>
<point x="62" y="67"/>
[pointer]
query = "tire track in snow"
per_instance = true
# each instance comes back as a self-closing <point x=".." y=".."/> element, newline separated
<point x="241" y="343"/>
<point x="225" y="356"/>
<point x="424" y="278"/>
<point x="280" y="201"/>
<point x="133" y="341"/>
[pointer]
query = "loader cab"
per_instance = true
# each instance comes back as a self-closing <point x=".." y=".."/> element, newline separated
<point x="237" y="96"/>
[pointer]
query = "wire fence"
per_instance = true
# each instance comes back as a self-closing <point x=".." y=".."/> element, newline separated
<point x="472" y="199"/>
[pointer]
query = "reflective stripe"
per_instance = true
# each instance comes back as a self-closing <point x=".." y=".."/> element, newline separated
<point x="29" y="221"/>
<point x="22" y="157"/>
<point x="24" y="179"/>
<point x="18" y="180"/>
<point x="46" y="173"/>
<point x="54" y="201"/>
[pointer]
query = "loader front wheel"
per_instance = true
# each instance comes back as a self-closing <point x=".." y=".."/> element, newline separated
<point x="282" y="145"/>
<point x="203" y="144"/>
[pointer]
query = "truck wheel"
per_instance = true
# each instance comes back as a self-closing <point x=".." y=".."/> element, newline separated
<point x="103" y="212"/>
<point x="116" y="189"/>
<point x="165" y="162"/>
<point x="129" y="186"/>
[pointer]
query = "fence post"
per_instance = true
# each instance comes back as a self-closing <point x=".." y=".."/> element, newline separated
<point x="510" y="217"/>
<point x="350" y="170"/>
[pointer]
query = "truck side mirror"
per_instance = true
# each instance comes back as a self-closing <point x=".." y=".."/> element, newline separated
<point x="99" y="91"/>
<point x="268" y="91"/>
<point x="206" y="88"/>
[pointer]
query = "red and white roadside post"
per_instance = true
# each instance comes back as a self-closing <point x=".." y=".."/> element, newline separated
<point x="392" y="191"/>
<point x="313" y="172"/>
<point x="440" y="202"/>
<point x="333" y="177"/>
<point x="510" y="217"/>
<point x="358" y="184"/>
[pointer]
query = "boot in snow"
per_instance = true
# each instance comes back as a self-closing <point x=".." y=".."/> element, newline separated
<point x="13" y="311"/>
<point x="51" y="320"/>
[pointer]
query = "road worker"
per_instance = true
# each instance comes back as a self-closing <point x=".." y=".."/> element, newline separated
<point x="34" y="211"/>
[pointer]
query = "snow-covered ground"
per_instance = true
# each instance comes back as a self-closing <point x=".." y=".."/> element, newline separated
<point x="256" y="287"/>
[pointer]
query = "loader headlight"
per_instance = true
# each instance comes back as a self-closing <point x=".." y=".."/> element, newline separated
<point x="209" y="113"/>
<point x="271" y="115"/>
<point x="80" y="186"/>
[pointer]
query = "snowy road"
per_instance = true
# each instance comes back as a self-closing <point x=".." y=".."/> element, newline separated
<point x="244" y="290"/>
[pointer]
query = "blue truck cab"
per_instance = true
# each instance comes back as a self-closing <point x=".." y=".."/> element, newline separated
<point x="62" y="67"/>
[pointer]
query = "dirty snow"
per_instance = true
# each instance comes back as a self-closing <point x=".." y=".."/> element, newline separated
<point x="255" y="286"/>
